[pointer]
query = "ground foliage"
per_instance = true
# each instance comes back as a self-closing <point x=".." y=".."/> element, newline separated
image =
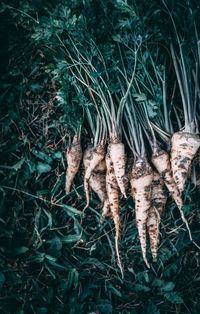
<point x="54" y="258"/>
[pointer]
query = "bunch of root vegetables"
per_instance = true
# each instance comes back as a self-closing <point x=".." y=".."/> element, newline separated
<point x="159" y="159"/>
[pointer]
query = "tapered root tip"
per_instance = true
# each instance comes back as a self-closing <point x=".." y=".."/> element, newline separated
<point x="186" y="223"/>
<point x="86" y="188"/>
<point x="124" y="194"/>
<point x="118" y="256"/>
<point x="86" y="206"/>
<point x="146" y="262"/>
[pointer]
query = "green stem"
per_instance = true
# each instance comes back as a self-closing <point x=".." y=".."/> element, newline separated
<point x="180" y="86"/>
<point x="166" y="114"/>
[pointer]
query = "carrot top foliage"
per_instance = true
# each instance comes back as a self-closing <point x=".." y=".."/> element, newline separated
<point x="66" y="67"/>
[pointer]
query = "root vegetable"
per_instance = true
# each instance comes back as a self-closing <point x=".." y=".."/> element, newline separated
<point x="92" y="157"/>
<point x="73" y="156"/>
<point x="105" y="209"/>
<point x="161" y="161"/>
<point x="118" y="157"/>
<point x="142" y="176"/>
<point x="113" y="196"/>
<point x="101" y="167"/>
<point x="97" y="182"/>
<point x="158" y="201"/>
<point x="184" y="147"/>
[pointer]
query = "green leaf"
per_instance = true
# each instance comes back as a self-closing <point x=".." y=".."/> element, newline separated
<point x="20" y="250"/>
<point x="117" y="38"/>
<point x="42" y="156"/>
<point x="71" y="238"/>
<point x="77" y="227"/>
<point x="152" y="109"/>
<point x="140" y="97"/>
<point x="76" y="278"/>
<point x="18" y="165"/>
<point x="35" y="87"/>
<point x="71" y="210"/>
<point x="163" y="285"/>
<point x="43" y="168"/>
<point x="55" y="247"/>
<point x="31" y="166"/>
<point x="50" y="271"/>
<point x="168" y="286"/>
<point x="51" y="258"/>
<point x="170" y="269"/>
<point x="58" y="266"/>
<point x="139" y="287"/>
<point x="115" y="291"/>
<point x="143" y="277"/>
<point x="174" y="297"/>
<point x="49" y="224"/>
<point x="57" y="155"/>
<point x="39" y="258"/>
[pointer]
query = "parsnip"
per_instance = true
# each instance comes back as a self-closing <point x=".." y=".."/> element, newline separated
<point x="92" y="157"/>
<point x="142" y="176"/>
<point x="184" y="147"/>
<point x="161" y="161"/>
<point x="113" y="196"/>
<point x="118" y="157"/>
<point x="158" y="201"/>
<point x="97" y="182"/>
<point x="73" y="156"/>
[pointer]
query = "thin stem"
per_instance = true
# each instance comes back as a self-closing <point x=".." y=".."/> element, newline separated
<point x="91" y="93"/>
<point x="124" y="98"/>
<point x="177" y="118"/>
<point x="133" y="134"/>
<point x="91" y="123"/>
<point x="166" y="114"/>
<point x="180" y="86"/>
<point x="24" y="13"/>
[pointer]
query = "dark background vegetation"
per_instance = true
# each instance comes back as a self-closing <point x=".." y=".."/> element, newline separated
<point x="53" y="258"/>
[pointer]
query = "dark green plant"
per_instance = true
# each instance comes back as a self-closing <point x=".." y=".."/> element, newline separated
<point x="53" y="258"/>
